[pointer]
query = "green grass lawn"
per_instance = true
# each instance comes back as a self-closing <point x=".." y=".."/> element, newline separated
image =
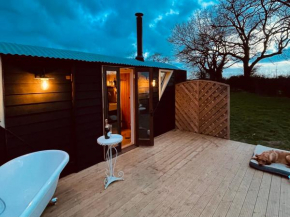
<point x="260" y="120"/>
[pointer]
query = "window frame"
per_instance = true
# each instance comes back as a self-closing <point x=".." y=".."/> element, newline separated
<point x="166" y="80"/>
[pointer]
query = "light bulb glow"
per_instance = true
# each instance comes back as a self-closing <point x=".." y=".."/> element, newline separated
<point x="153" y="83"/>
<point x="44" y="84"/>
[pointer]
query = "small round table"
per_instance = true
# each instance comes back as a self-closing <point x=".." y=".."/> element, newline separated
<point x="113" y="140"/>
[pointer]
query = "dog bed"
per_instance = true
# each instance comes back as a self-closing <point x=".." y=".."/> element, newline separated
<point x="276" y="168"/>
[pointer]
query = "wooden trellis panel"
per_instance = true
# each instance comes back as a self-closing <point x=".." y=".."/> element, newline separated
<point x="203" y="107"/>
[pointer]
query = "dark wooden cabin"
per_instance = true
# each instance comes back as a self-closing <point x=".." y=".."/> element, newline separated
<point x="58" y="99"/>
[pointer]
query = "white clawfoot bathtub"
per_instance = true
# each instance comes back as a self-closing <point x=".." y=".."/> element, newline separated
<point x="27" y="183"/>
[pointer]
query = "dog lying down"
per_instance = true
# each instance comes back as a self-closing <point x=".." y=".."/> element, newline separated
<point x="271" y="160"/>
<point x="272" y="156"/>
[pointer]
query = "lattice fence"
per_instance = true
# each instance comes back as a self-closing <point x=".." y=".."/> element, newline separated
<point x="203" y="107"/>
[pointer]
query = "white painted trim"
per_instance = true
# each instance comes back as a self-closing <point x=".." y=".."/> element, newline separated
<point x="2" y="118"/>
<point x="166" y="80"/>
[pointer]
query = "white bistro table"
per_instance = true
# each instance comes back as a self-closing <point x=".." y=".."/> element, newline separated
<point x="111" y="142"/>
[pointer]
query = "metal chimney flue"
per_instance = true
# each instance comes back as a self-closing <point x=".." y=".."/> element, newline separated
<point x="139" y="37"/>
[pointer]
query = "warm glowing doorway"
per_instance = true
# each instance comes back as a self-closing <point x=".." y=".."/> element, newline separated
<point x="127" y="106"/>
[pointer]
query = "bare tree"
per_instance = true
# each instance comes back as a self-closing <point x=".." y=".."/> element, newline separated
<point x="157" y="57"/>
<point x="198" y="45"/>
<point x="256" y="29"/>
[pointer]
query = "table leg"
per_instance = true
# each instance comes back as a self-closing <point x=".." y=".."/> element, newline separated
<point x="110" y="177"/>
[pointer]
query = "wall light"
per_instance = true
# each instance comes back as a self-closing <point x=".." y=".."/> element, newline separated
<point x="44" y="84"/>
<point x="44" y="81"/>
<point x="154" y="83"/>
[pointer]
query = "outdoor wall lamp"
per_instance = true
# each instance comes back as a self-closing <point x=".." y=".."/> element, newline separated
<point x="154" y="83"/>
<point x="44" y="80"/>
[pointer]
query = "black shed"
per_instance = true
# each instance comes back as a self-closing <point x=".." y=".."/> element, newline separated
<point x="58" y="99"/>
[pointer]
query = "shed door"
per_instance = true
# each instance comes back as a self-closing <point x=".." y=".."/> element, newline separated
<point x="144" y="106"/>
<point x="111" y="98"/>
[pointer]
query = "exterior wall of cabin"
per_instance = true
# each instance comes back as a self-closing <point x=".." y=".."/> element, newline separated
<point x="66" y="116"/>
<point x="69" y="114"/>
<point x="37" y="119"/>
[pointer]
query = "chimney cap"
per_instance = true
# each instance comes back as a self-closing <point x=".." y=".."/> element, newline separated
<point x="139" y="14"/>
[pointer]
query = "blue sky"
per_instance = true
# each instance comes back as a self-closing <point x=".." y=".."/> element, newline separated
<point x="97" y="26"/>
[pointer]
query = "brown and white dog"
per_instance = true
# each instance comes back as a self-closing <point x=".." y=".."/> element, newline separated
<point x="272" y="156"/>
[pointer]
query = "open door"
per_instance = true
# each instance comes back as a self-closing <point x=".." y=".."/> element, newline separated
<point x="127" y="106"/>
<point x="144" y="106"/>
<point x="111" y="99"/>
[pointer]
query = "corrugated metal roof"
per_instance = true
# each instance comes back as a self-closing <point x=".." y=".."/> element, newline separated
<point x="34" y="51"/>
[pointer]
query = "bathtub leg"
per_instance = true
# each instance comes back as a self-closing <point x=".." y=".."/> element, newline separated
<point x="53" y="201"/>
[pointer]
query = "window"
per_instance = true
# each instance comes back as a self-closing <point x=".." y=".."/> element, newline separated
<point x="164" y="77"/>
<point x="1" y="97"/>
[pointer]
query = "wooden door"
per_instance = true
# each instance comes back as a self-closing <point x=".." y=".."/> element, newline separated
<point x="144" y="106"/>
<point x="111" y="99"/>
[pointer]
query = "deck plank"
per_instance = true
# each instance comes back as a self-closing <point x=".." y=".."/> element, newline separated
<point x="215" y="203"/>
<point x="153" y="171"/>
<point x="92" y="184"/>
<point x="184" y="174"/>
<point x="238" y="201"/>
<point x="202" y="200"/>
<point x="274" y="197"/>
<point x="189" y="181"/>
<point x="193" y="196"/>
<point x="284" y="210"/>
<point x="263" y="196"/>
<point x="162" y="188"/>
<point x="165" y="171"/>
<point x="252" y="194"/>
<point x="174" y="203"/>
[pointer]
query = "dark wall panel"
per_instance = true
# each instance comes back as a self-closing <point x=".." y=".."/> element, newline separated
<point x="2" y="146"/>
<point x="164" y="112"/>
<point x="37" y="119"/>
<point x="88" y="113"/>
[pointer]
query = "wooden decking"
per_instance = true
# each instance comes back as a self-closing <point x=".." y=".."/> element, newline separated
<point x="184" y="174"/>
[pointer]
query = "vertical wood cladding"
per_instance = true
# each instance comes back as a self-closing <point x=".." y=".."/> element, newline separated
<point x="88" y="113"/>
<point x="164" y="110"/>
<point x="37" y="119"/>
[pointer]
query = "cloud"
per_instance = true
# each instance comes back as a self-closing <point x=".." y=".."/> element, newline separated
<point x="160" y="17"/>
<point x="205" y="3"/>
<point x="105" y="27"/>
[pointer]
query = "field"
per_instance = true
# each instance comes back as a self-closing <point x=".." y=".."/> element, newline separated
<point x="260" y="119"/>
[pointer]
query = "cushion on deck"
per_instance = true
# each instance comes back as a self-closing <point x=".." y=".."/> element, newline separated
<point x="276" y="168"/>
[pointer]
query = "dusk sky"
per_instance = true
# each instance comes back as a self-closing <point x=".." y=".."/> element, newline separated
<point x="103" y="27"/>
